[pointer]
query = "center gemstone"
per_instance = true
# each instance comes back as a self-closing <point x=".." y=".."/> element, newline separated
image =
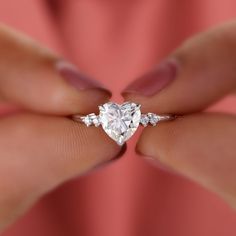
<point x="120" y="121"/>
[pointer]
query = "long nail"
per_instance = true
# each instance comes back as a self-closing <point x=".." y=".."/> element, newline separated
<point x="154" y="81"/>
<point x="76" y="79"/>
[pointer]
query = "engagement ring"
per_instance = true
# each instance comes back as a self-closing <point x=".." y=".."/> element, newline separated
<point x="121" y="121"/>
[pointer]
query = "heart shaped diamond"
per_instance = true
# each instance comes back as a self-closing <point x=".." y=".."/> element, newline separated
<point x="120" y="121"/>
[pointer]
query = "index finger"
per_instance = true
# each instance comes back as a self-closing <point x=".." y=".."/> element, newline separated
<point x="196" y="75"/>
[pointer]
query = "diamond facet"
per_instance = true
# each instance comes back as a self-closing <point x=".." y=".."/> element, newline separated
<point x="95" y="119"/>
<point x="87" y="120"/>
<point x="120" y="121"/>
<point x="91" y="119"/>
<point x="153" y="118"/>
<point x="144" y="120"/>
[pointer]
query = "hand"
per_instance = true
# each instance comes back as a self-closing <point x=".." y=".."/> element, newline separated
<point x="41" y="148"/>
<point x="198" y="145"/>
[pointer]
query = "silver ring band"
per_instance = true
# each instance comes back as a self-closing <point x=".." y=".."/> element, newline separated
<point x="121" y="121"/>
<point x="146" y="119"/>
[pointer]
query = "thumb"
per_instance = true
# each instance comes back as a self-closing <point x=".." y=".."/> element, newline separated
<point x="197" y="74"/>
<point x="199" y="146"/>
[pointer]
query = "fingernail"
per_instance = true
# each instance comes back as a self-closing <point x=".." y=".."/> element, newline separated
<point x="154" y="81"/>
<point x="75" y="78"/>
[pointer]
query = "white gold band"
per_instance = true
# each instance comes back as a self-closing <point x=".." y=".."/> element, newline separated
<point x="120" y="122"/>
<point x="146" y="119"/>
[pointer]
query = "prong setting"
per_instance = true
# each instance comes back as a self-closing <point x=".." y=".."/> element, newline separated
<point x="120" y="122"/>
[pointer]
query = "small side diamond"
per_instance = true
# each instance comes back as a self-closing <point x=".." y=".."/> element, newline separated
<point x="144" y="120"/>
<point x="91" y="119"/>
<point x="153" y="118"/>
<point x="95" y="119"/>
<point x="87" y="120"/>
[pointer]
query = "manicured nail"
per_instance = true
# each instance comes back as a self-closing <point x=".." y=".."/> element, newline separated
<point x="75" y="78"/>
<point x="154" y="81"/>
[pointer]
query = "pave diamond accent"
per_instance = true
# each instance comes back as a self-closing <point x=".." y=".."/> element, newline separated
<point x="91" y="119"/>
<point x="153" y="118"/>
<point x="120" y="121"/>
<point x="95" y="119"/>
<point x="144" y="120"/>
<point x="87" y="120"/>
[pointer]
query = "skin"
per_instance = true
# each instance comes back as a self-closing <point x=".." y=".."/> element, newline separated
<point x="41" y="148"/>
<point x="200" y="146"/>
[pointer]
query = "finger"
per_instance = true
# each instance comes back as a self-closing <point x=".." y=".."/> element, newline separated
<point x="36" y="79"/>
<point x="201" y="147"/>
<point x="196" y="75"/>
<point x="37" y="153"/>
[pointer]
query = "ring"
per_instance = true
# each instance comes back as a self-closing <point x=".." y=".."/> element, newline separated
<point x="120" y="122"/>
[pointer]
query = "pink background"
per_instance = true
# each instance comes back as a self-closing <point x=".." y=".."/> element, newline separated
<point x="115" y="41"/>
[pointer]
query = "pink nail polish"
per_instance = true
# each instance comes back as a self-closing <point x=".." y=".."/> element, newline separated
<point x="154" y="81"/>
<point x="75" y="78"/>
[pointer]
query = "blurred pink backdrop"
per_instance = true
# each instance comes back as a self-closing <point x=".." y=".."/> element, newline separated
<point x="116" y="41"/>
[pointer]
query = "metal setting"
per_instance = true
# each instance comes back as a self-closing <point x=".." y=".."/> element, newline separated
<point x="120" y="122"/>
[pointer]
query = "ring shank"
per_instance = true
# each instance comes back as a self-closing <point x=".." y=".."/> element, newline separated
<point x="166" y="117"/>
<point x="92" y="119"/>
